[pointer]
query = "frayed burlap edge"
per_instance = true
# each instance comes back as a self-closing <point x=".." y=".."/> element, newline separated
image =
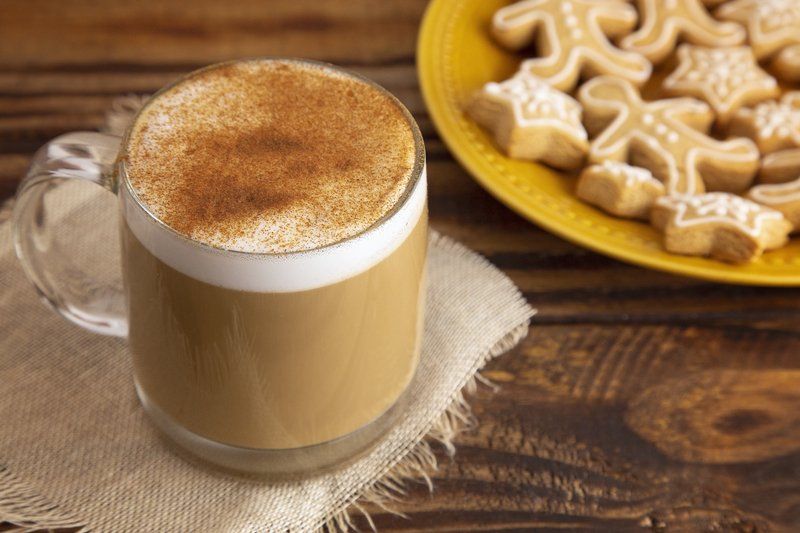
<point x="27" y="511"/>
<point x="417" y="464"/>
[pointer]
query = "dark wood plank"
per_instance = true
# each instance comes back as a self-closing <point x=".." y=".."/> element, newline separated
<point x="625" y="428"/>
<point x="48" y="32"/>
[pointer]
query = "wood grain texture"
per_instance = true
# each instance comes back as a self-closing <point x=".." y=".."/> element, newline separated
<point x="640" y="401"/>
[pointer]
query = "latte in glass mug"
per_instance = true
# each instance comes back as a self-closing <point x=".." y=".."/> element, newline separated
<point x="274" y="237"/>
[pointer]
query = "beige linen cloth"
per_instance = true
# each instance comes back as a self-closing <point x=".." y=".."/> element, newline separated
<point x="76" y="450"/>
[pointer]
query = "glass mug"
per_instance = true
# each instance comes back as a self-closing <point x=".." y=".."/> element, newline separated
<point x="272" y="363"/>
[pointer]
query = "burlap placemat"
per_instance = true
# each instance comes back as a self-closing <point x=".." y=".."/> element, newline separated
<point x="76" y="450"/>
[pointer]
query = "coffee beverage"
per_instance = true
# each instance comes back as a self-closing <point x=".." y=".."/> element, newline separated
<point x="274" y="238"/>
<point x="274" y="241"/>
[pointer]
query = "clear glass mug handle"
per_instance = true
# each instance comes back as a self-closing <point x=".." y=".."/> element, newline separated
<point x="86" y="156"/>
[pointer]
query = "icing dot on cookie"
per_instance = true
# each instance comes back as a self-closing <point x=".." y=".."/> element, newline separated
<point x="773" y="119"/>
<point x="532" y="99"/>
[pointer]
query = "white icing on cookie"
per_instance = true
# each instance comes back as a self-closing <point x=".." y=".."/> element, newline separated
<point x="777" y="119"/>
<point x="535" y="103"/>
<point x="679" y="147"/>
<point x="771" y="24"/>
<point x="719" y="207"/>
<point x="777" y="193"/>
<point x="665" y="21"/>
<point x="722" y="76"/>
<point x="633" y="175"/>
<point x="574" y="38"/>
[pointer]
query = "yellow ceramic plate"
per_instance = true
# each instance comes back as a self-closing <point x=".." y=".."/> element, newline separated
<point x="456" y="57"/>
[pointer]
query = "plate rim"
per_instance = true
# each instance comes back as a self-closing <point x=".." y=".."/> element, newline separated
<point x="428" y="42"/>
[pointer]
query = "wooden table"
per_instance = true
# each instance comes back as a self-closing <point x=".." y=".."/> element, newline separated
<point x="638" y="401"/>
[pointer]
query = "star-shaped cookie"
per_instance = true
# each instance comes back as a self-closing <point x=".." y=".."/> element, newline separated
<point x="620" y="189"/>
<point x="773" y="125"/>
<point x="532" y="120"/>
<point x="771" y="24"/>
<point x="571" y="37"/>
<point x="725" y="78"/>
<point x="665" y="137"/>
<point x="720" y="225"/>
<point x="666" y="21"/>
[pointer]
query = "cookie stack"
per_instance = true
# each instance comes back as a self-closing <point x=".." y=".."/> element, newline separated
<point x="657" y="160"/>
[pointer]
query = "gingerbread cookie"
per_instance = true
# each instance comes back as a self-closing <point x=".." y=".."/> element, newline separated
<point x="664" y="136"/>
<point x="772" y="125"/>
<point x="719" y="225"/>
<point x="531" y="120"/>
<point x="772" y="25"/>
<point x="571" y="37"/>
<point x="620" y="189"/>
<point x="786" y="65"/>
<point x="780" y="166"/>
<point x="725" y="78"/>
<point x="666" y="21"/>
<point x="783" y="197"/>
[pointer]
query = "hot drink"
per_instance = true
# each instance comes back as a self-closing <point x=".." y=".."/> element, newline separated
<point x="274" y="232"/>
<point x="299" y="180"/>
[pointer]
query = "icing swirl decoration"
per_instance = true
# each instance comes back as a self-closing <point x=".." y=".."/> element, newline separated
<point x="780" y="166"/>
<point x="666" y="21"/>
<point x="784" y="197"/>
<point x="571" y="36"/>
<point x="661" y="134"/>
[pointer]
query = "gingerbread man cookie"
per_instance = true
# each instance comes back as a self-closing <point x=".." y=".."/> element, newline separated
<point x="725" y="78"/>
<point x="772" y="125"/>
<point x="780" y="166"/>
<point x="786" y="64"/>
<point x="620" y="189"/>
<point x="571" y="37"/>
<point x="531" y="120"/>
<point x="771" y="24"/>
<point x="666" y="21"/>
<point x="783" y="197"/>
<point x="664" y="136"/>
<point x="720" y="225"/>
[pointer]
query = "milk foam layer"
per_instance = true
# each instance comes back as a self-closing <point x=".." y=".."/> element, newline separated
<point x="271" y="156"/>
<point x="276" y="272"/>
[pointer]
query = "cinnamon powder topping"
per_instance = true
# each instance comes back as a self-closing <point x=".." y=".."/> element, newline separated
<point x="270" y="156"/>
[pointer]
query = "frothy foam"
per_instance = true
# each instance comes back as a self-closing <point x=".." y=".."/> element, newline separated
<point x="271" y="156"/>
<point x="277" y="273"/>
